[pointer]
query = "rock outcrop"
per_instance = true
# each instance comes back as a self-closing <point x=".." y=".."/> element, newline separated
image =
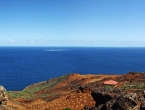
<point x="117" y="100"/>
<point x="3" y="98"/>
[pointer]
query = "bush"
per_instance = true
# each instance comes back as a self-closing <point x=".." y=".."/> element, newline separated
<point x="67" y="109"/>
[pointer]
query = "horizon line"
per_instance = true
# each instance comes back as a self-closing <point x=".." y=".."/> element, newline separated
<point x="84" y="46"/>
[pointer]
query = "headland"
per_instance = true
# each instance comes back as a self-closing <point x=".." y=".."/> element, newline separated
<point x="82" y="92"/>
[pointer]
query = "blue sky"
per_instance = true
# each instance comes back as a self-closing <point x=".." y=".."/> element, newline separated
<point x="99" y="23"/>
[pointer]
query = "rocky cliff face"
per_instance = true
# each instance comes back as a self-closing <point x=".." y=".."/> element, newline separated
<point x="3" y="98"/>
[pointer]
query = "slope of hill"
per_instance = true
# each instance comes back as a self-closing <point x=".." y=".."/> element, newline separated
<point x="73" y="91"/>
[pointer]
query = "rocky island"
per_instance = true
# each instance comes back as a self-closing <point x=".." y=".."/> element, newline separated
<point x="80" y="92"/>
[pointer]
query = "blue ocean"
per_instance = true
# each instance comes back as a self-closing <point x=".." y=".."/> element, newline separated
<point x="22" y="66"/>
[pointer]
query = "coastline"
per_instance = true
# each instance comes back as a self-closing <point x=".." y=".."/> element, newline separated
<point x="76" y="85"/>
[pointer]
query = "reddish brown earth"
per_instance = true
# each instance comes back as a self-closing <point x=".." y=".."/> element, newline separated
<point x="67" y="93"/>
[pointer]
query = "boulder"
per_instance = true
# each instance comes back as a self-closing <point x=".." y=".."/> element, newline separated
<point x="101" y="97"/>
<point x="83" y="89"/>
<point x="116" y="101"/>
<point x="142" y="106"/>
<point x="125" y="102"/>
<point x="3" y="98"/>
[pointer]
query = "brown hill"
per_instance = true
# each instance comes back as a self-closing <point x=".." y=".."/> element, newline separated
<point x="70" y="91"/>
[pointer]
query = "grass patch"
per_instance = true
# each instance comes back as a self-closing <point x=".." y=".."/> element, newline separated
<point x="30" y="92"/>
<point x="138" y="85"/>
<point x="67" y="109"/>
<point x="108" y="87"/>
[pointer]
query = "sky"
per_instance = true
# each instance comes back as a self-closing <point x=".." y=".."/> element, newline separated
<point x="86" y="23"/>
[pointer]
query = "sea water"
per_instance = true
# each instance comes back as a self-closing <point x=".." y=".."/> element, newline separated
<point x="22" y="66"/>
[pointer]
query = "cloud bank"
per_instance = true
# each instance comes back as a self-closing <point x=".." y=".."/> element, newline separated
<point x="73" y="42"/>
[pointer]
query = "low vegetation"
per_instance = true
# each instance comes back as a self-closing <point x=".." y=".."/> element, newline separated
<point x="137" y="85"/>
<point x="30" y="92"/>
<point x="67" y="109"/>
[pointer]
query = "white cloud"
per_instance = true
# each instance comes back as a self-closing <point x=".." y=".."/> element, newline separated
<point x="72" y="42"/>
<point x="7" y="40"/>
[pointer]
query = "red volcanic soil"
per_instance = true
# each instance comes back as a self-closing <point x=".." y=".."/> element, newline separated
<point x="63" y="92"/>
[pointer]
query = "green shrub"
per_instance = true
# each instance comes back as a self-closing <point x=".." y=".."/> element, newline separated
<point x="67" y="109"/>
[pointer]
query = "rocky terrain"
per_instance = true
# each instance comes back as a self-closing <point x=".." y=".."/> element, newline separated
<point x="82" y="92"/>
<point x="3" y="98"/>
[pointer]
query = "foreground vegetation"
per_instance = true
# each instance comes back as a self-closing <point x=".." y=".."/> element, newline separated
<point x="30" y="92"/>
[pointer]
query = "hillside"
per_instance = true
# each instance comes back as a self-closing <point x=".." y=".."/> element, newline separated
<point x="77" y="92"/>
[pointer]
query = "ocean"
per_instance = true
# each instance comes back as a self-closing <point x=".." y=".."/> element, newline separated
<point x="23" y="66"/>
